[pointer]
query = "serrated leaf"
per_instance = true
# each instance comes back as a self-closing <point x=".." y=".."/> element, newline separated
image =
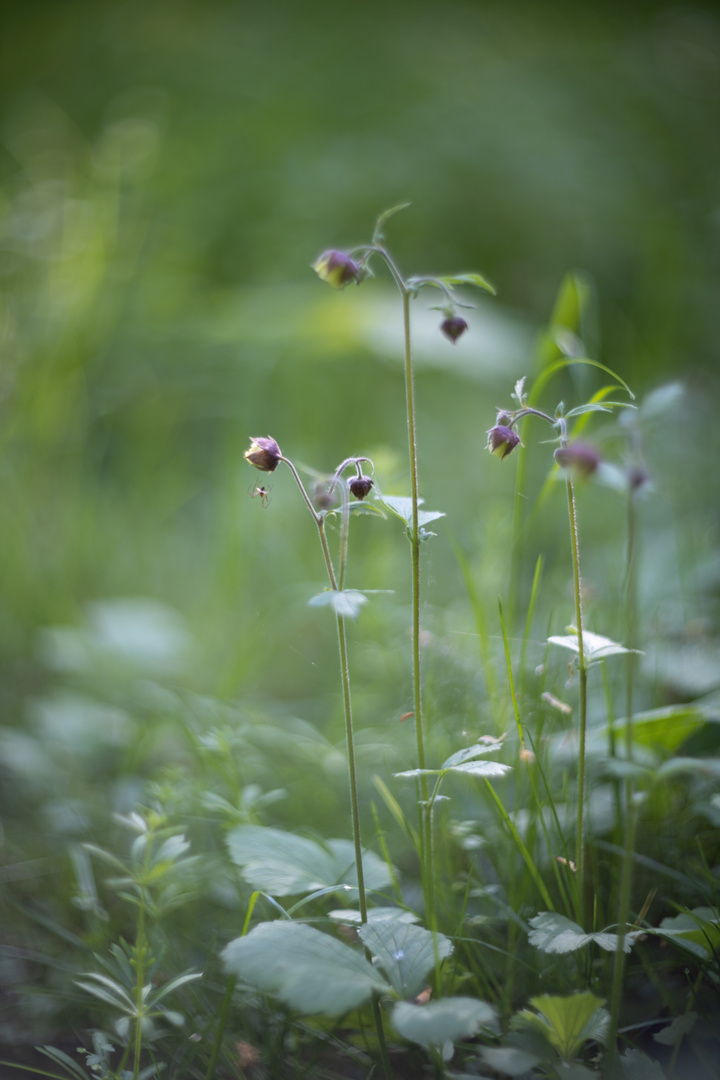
<point x="677" y="1030"/>
<point x="477" y="280"/>
<point x="405" y="953"/>
<point x="469" y="768"/>
<point x="307" y="970"/>
<point x="698" y="930"/>
<point x="284" y="864"/>
<point x="638" y="1066"/>
<point x="401" y="506"/>
<point x="344" y="602"/>
<point x="567" y="1022"/>
<point x="448" y="1020"/>
<point x="554" y="933"/>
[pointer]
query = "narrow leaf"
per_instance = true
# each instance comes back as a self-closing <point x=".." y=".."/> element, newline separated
<point x="468" y="279"/>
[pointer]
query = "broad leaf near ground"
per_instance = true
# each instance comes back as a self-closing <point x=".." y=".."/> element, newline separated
<point x="283" y="864"/>
<point x="448" y="1020"/>
<point x="405" y="953"/>
<point x="307" y="970"/>
<point x="374" y="915"/>
<point x="567" y="1022"/>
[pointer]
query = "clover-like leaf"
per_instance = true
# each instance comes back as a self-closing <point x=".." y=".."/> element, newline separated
<point x="554" y="933"/>
<point x="404" y="952"/>
<point x="307" y="970"/>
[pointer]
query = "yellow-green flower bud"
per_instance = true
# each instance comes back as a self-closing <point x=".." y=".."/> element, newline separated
<point x="337" y="268"/>
<point x="264" y="454"/>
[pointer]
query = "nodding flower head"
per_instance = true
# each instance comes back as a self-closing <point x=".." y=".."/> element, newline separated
<point x="502" y="441"/>
<point x="453" y="327"/>
<point x="360" y="486"/>
<point x="264" y="454"/>
<point x="582" y="458"/>
<point x="337" y="268"/>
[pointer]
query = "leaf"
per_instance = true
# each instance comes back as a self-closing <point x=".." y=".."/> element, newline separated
<point x="567" y="1022"/>
<point x="508" y="1059"/>
<point x="448" y="1020"/>
<point x="559" y="365"/>
<point x="471" y="768"/>
<point x="677" y="1030"/>
<point x="664" y="728"/>
<point x="698" y="930"/>
<point x="468" y="279"/>
<point x="344" y="602"/>
<point x="385" y="217"/>
<point x="284" y="864"/>
<point x="168" y="988"/>
<point x="405" y="953"/>
<point x="595" y="646"/>
<point x="64" y="1060"/>
<point x="592" y="407"/>
<point x="554" y="933"/>
<point x="638" y="1066"/>
<point x="472" y="752"/>
<point x="401" y="506"/>
<point x="310" y="971"/>
<point x="374" y="915"/>
<point x="697" y="766"/>
<point x="108" y="991"/>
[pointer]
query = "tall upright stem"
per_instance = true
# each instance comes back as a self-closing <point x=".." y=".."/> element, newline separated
<point x="630" y="811"/>
<point x="582" y="669"/>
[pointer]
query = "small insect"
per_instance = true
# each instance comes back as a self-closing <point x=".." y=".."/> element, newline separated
<point x="261" y="492"/>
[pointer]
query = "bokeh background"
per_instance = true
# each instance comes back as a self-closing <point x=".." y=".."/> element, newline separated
<point x="168" y="172"/>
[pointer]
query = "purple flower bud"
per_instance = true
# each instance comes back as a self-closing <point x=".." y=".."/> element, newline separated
<point x="264" y="454"/>
<point x="502" y="441"/>
<point x="337" y="268"/>
<point x="582" y="458"/>
<point x="453" y="327"/>
<point x="360" y="486"/>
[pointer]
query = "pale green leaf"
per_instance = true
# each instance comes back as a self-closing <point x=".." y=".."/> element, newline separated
<point x="595" y="646"/>
<point x="566" y="1021"/>
<point x="677" y="1030"/>
<point x="508" y="1059"/>
<point x="448" y="1020"/>
<point x="401" y="506"/>
<point x="477" y="280"/>
<point x="374" y="915"/>
<point x="307" y="970"/>
<point x="345" y="602"/>
<point x="284" y="864"/>
<point x="638" y="1066"/>
<point x="405" y="953"/>
<point x="555" y="933"/>
<point x="471" y="752"/>
<point x="664" y="728"/>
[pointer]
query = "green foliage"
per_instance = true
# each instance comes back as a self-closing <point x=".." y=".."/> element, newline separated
<point x="567" y="1023"/>
<point x="307" y="970"/>
<point x="450" y="1020"/>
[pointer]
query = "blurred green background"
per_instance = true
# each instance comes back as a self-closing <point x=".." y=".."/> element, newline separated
<point x="168" y="171"/>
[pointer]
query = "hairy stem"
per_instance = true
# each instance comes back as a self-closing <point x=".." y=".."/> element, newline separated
<point x="582" y="669"/>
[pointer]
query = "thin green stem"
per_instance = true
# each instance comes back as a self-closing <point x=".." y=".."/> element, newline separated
<point x="140" y="959"/>
<point x="319" y="520"/>
<point x="582" y="670"/>
<point x="630" y="809"/>
<point x="222" y="1024"/>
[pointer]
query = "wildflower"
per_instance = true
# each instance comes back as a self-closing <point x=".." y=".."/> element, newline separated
<point x="337" y="268"/>
<point x="453" y="327"/>
<point x="582" y="458"/>
<point x="360" y="486"/>
<point x="502" y="441"/>
<point x="264" y="454"/>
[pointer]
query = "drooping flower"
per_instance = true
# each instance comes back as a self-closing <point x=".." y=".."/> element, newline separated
<point x="502" y="441"/>
<point x="581" y="457"/>
<point x="360" y="486"/>
<point x="453" y="327"/>
<point x="264" y="454"/>
<point x="337" y="268"/>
